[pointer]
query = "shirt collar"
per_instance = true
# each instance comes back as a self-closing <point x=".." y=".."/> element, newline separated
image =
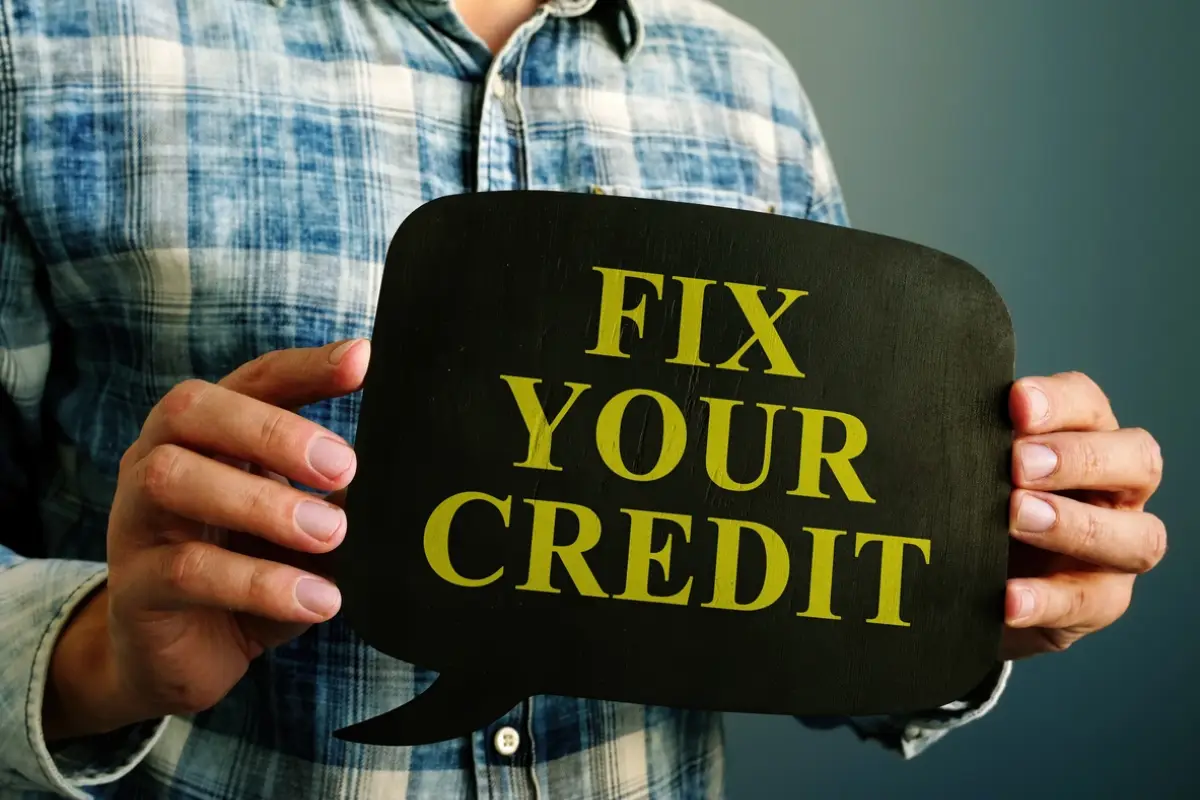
<point x="622" y="16"/>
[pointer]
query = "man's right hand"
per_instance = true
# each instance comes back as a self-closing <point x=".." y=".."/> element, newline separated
<point x="187" y="605"/>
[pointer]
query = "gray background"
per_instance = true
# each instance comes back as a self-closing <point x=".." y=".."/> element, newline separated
<point x="1054" y="145"/>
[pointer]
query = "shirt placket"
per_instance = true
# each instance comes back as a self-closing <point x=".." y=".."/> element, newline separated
<point x="501" y="146"/>
<point x="504" y="757"/>
<point x="504" y="750"/>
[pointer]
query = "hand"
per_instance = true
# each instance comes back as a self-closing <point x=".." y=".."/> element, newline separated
<point x="1077" y="514"/>
<point x="201" y="500"/>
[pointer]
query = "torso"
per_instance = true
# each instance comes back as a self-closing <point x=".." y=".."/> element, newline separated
<point x="210" y="180"/>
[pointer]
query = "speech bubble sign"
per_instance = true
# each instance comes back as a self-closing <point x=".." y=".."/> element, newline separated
<point x="678" y="455"/>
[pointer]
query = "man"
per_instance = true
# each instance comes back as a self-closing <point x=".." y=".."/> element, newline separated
<point x="197" y="200"/>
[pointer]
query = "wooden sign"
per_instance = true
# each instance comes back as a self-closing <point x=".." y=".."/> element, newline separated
<point x="677" y="455"/>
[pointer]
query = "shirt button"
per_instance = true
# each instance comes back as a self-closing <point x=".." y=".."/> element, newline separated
<point x="507" y="741"/>
<point x="498" y="89"/>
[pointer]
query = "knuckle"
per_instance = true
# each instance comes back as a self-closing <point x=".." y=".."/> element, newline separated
<point x="189" y="697"/>
<point x="1077" y="602"/>
<point x="258" y="369"/>
<point x="186" y="563"/>
<point x="183" y="397"/>
<point x="1092" y="532"/>
<point x="1090" y="458"/>
<point x="159" y="472"/>
<point x="1143" y="561"/>
<point x="1084" y="383"/>
<point x="1078" y="382"/>
<point x="260" y="503"/>
<point x="260" y="590"/>
<point x="128" y="460"/>
<point x="1090" y="396"/>
<point x="1056" y="642"/>
<point x="276" y="433"/>
<point x="1155" y="544"/>
<point x="1151" y="454"/>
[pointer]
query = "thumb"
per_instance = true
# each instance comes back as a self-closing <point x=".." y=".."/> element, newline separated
<point x="299" y="376"/>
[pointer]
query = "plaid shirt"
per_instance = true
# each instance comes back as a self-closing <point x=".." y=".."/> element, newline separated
<point x="186" y="185"/>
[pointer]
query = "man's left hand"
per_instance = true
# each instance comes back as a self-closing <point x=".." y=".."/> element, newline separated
<point x="1077" y="514"/>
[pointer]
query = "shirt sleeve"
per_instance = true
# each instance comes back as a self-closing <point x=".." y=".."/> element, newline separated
<point x="38" y="596"/>
<point x="811" y="190"/>
<point x="911" y="734"/>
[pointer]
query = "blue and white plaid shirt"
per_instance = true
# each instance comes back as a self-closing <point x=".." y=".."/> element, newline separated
<point x="189" y="183"/>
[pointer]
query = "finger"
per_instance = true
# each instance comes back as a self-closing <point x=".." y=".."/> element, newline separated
<point x="1126" y="541"/>
<point x="173" y="577"/>
<point x="1069" y="401"/>
<point x="320" y="564"/>
<point x="299" y="376"/>
<point x="1078" y="600"/>
<point x="214" y="419"/>
<point x="266" y="473"/>
<point x="194" y="487"/>
<point x="1127" y="460"/>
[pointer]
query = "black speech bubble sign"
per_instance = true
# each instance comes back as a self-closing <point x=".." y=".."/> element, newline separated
<point x="861" y="571"/>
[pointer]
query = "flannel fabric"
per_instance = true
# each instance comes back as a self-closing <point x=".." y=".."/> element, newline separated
<point x="186" y="184"/>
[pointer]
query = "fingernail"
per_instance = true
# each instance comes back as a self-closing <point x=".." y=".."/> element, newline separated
<point x="1039" y="404"/>
<point x="340" y="351"/>
<point x="1035" y="515"/>
<point x="1037" y="461"/>
<point x="318" y="596"/>
<point x="330" y="458"/>
<point x="318" y="520"/>
<point x="1024" y="604"/>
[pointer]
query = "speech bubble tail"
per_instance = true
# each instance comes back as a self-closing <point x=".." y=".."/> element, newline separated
<point x="454" y="705"/>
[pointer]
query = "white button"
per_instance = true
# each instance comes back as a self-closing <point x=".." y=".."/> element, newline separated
<point x="507" y="741"/>
<point x="498" y="88"/>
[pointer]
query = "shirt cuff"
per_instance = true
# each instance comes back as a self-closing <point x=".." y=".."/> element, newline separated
<point x="912" y="734"/>
<point x="38" y="597"/>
